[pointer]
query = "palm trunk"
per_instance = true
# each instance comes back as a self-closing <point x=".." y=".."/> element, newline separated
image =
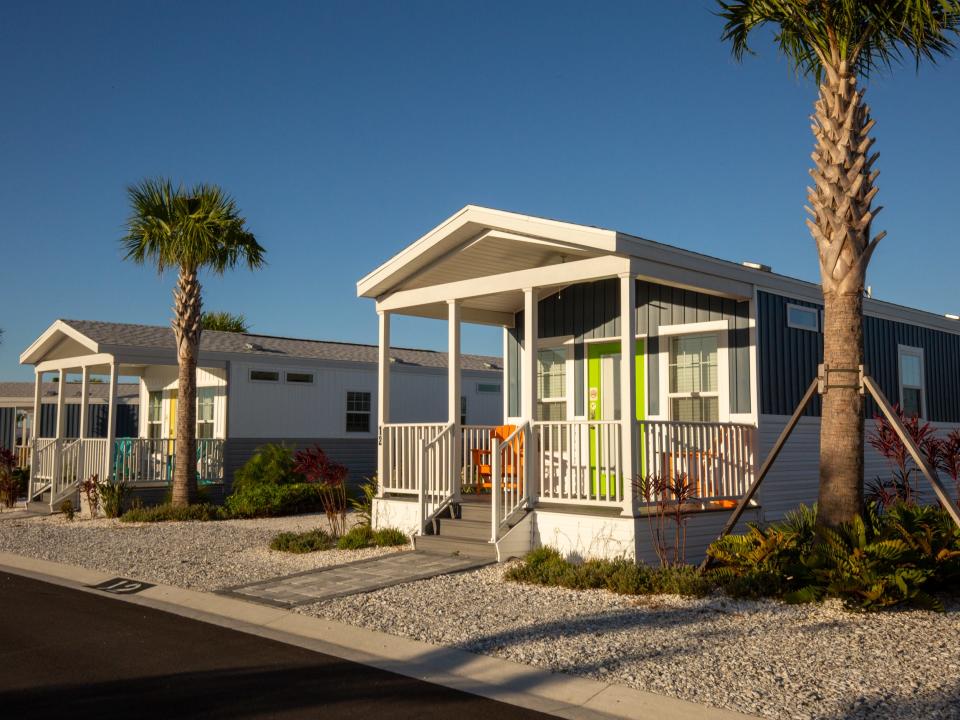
<point x="186" y="330"/>
<point x="841" y="197"/>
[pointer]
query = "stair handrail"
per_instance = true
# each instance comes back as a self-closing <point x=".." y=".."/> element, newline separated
<point x="499" y="514"/>
<point x="429" y="506"/>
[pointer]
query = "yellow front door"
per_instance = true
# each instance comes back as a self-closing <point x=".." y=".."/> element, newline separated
<point x="172" y="421"/>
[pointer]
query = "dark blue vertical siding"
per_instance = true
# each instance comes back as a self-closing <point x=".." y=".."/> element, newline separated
<point x="127" y="420"/>
<point x="789" y="358"/>
<point x="590" y="311"/>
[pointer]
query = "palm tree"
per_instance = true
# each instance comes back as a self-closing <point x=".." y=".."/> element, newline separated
<point x="224" y="321"/>
<point x="193" y="229"/>
<point x="838" y="43"/>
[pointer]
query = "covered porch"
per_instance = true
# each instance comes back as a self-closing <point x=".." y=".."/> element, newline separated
<point x="58" y="462"/>
<point x="586" y="427"/>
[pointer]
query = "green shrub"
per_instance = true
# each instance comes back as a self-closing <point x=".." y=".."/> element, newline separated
<point x="310" y="541"/>
<point x="174" y="513"/>
<point x="272" y="464"/>
<point x="113" y="498"/>
<point x="546" y="566"/>
<point x="274" y="500"/>
<point x="390" y="537"/>
<point x="66" y="507"/>
<point x="361" y="536"/>
<point x="363" y="504"/>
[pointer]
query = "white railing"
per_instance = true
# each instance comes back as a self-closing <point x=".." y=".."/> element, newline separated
<point x="436" y="473"/>
<point x="475" y="444"/>
<point x="21" y="454"/>
<point x="580" y="462"/>
<point x="401" y="454"/>
<point x="716" y="458"/>
<point x="42" y="466"/>
<point x="510" y="489"/>
<point x="138" y="461"/>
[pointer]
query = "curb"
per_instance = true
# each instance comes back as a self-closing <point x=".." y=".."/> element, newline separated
<point x="494" y="678"/>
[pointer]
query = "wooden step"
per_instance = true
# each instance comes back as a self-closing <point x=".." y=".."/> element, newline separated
<point x="441" y="545"/>
<point x="466" y="529"/>
<point x="478" y="510"/>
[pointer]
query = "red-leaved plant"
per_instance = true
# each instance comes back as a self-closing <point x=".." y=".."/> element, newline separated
<point x="900" y="487"/>
<point x="317" y="468"/>
<point x="949" y="459"/>
<point x="91" y="491"/>
<point x="9" y="483"/>
<point x="665" y="498"/>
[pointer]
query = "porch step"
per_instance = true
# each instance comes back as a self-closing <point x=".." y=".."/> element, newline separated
<point x="475" y="508"/>
<point x="42" y="508"/>
<point x="464" y="529"/>
<point x="462" y="547"/>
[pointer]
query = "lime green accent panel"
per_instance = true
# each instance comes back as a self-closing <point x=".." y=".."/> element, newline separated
<point x="595" y="400"/>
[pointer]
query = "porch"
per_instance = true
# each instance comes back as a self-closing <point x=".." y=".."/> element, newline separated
<point x="629" y="368"/>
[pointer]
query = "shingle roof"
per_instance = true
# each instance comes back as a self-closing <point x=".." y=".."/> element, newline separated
<point x="126" y="392"/>
<point x="265" y="346"/>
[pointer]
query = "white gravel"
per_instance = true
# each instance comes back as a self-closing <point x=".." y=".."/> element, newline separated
<point x="197" y="555"/>
<point x="762" y="658"/>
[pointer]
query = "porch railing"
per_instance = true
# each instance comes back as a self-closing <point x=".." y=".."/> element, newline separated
<point x="435" y="474"/>
<point x="510" y="479"/>
<point x="580" y="462"/>
<point x="717" y="459"/>
<point x="401" y="447"/>
<point x="145" y="461"/>
<point x="475" y="447"/>
<point x="21" y="454"/>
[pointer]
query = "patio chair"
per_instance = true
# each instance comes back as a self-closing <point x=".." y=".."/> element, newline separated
<point x="512" y="468"/>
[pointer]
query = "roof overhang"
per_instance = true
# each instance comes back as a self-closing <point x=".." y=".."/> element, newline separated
<point x="58" y="336"/>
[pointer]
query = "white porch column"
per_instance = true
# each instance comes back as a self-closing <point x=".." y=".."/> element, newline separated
<point x="628" y="388"/>
<point x="61" y="399"/>
<point x="383" y="398"/>
<point x="528" y="390"/>
<point x="453" y="389"/>
<point x="84" y="402"/>
<point x="35" y="430"/>
<point x="111" y="419"/>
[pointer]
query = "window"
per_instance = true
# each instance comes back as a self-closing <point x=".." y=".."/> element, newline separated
<point x="803" y="318"/>
<point x="693" y="381"/>
<point x="912" y="390"/>
<point x="488" y="387"/>
<point x="265" y="376"/>
<point x="552" y="384"/>
<point x="463" y="409"/>
<point x="155" y="415"/>
<point x="300" y="377"/>
<point x="358" y="411"/>
<point x="205" y="397"/>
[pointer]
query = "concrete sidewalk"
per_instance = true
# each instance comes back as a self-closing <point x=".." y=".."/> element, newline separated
<point x="502" y="680"/>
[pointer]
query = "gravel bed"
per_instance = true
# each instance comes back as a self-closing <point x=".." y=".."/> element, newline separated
<point x="197" y="555"/>
<point x="762" y="658"/>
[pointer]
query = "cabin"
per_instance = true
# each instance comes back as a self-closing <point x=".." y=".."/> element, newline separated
<point x="251" y="390"/>
<point x="626" y="361"/>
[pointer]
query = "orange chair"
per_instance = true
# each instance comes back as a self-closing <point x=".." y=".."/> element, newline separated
<point x="512" y="468"/>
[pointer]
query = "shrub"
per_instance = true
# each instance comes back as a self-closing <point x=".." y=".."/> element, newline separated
<point x="90" y="488"/>
<point x="304" y="542"/>
<point x="12" y="479"/>
<point x="900" y="487"/>
<point x="666" y="499"/>
<point x="113" y="497"/>
<point x="173" y="513"/>
<point x="272" y="464"/>
<point x="66" y="507"/>
<point x="361" y="536"/>
<point x="363" y="504"/>
<point x="330" y="477"/>
<point x="274" y="500"/>
<point x="390" y="537"/>
<point x="546" y="566"/>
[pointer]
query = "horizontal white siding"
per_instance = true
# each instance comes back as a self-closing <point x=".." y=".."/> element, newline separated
<point x="795" y="477"/>
<point x="294" y="410"/>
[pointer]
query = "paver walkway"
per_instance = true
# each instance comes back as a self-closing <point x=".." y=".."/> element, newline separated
<point x="356" y="577"/>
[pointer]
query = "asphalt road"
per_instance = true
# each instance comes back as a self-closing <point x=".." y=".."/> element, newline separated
<point x="72" y="654"/>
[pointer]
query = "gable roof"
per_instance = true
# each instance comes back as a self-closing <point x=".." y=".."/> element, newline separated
<point x="109" y="336"/>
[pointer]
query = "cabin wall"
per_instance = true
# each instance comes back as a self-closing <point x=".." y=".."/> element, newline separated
<point x="127" y="420"/>
<point x="788" y="359"/>
<point x="164" y="378"/>
<point x="591" y="311"/>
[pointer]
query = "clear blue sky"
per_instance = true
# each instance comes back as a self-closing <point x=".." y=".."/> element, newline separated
<point x="347" y="129"/>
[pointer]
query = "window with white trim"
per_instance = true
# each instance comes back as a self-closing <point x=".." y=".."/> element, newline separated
<point x="155" y="415"/>
<point x="552" y="384"/>
<point x="358" y="411"/>
<point x="913" y="399"/>
<point x="803" y="318"/>
<point x="205" y="396"/>
<point x="694" y="387"/>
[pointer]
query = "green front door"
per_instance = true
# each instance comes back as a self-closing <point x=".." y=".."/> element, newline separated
<point x="603" y="403"/>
